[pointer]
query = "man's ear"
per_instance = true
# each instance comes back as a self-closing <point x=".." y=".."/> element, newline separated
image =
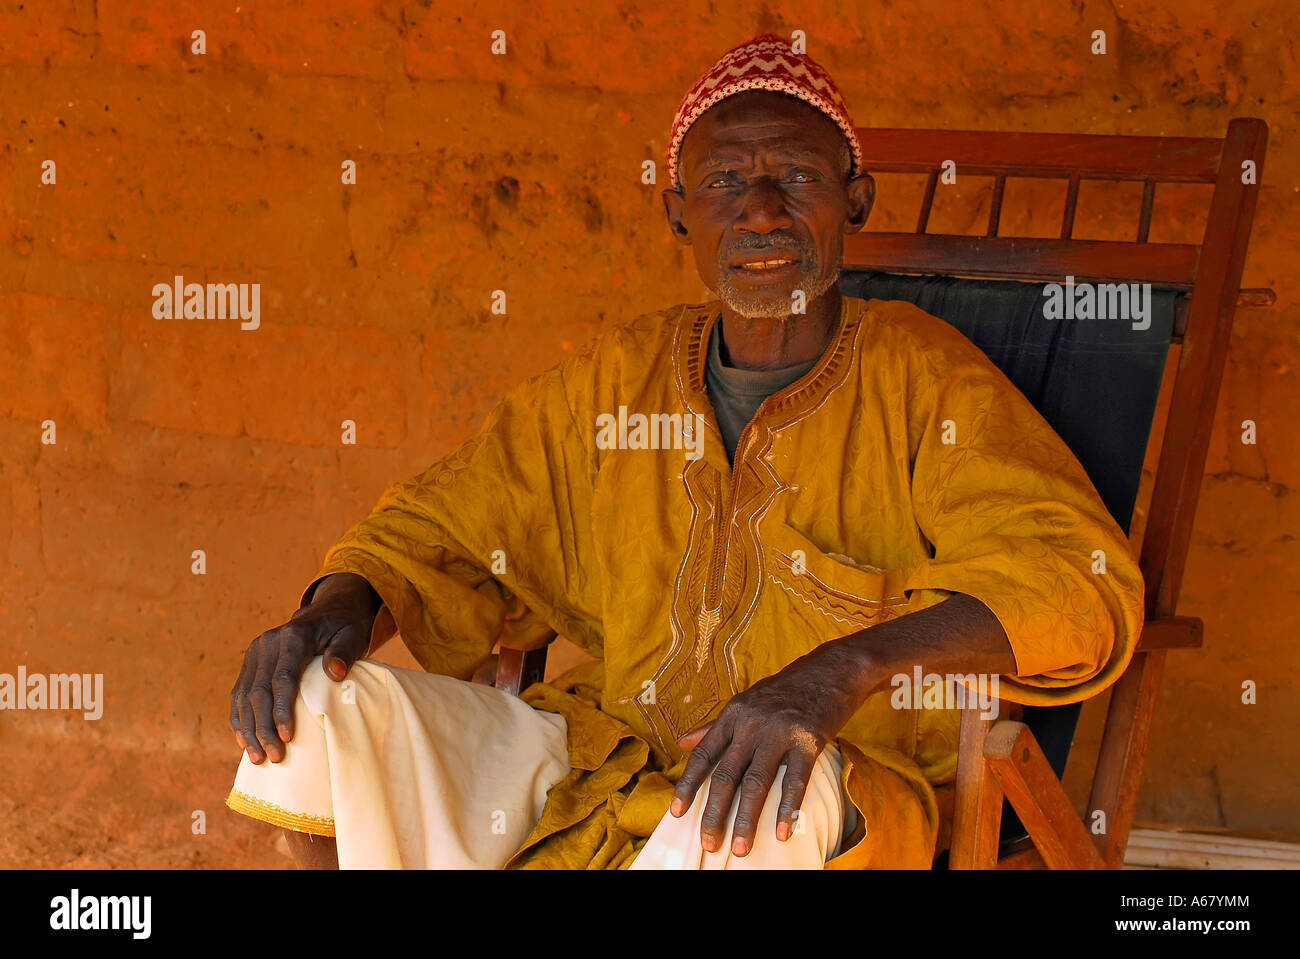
<point x="862" y="195"/>
<point x="674" y="203"/>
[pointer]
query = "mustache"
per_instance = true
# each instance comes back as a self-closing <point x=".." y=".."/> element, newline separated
<point x="780" y="245"/>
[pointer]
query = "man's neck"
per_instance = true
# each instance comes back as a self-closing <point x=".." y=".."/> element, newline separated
<point x="770" y="343"/>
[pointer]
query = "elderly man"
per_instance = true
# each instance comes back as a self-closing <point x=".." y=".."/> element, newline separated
<point x="864" y="495"/>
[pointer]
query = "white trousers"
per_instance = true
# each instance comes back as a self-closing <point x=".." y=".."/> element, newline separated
<point x="412" y="770"/>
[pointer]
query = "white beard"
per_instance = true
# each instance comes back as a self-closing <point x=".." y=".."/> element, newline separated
<point x="749" y="305"/>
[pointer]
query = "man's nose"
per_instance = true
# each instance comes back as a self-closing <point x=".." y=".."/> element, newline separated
<point x="763" y="208"/>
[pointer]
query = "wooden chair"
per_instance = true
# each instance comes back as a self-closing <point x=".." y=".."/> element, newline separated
<point x="1003" y="759"/>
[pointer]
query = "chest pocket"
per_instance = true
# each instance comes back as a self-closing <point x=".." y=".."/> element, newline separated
<point x="846" y="593"/>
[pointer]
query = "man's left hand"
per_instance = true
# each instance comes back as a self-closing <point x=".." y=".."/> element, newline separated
<point x="785" y="719"/>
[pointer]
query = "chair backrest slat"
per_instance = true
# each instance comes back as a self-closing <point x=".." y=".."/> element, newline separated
<point x="1092" y="156"/>
<point x="1148" y="201"/>
<point x="1071" y="202"/>
<point x="1044" y="259"/>
<point x="927" y="201"/>
<point x="995" y="210"/>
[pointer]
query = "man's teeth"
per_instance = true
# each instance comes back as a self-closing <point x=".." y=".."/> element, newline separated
<point x="765" y="264"/>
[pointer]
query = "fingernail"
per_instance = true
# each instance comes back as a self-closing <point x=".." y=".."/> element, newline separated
<point x="783" y="831"/>
<point x="676" y="808"/>
<point x="709" y="843"/>
<point x="284" y="733"/>
<point x="336" y="667"/>
<point x="739" y="847"/>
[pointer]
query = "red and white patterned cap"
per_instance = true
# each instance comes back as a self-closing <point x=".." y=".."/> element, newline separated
<point x="764" y="63"/>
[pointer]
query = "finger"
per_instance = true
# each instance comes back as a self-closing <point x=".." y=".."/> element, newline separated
<point x="799" y="764"/>
<point x="247" y="724"/>
<point x="239" y="690"/>
<point x="703" y="758"/>
<point x="723" y="783"/>
<point x="754" y="788"/>
<point x="692" y="739"/>
<point x="286" y="679"/>
<point x="260" y="698"/>
<point x="335" y="667"/>
<point x="340" y="650"/>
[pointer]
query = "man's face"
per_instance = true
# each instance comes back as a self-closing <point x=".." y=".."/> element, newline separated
<point x="765" y="178"/>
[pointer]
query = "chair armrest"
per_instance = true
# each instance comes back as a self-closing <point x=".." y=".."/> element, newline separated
<point x="1171" y="632"/>
<point x="1030" y="783"/>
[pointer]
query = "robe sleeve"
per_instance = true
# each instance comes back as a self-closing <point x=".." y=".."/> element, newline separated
<point x="489" y="542"/>
<point x="1014" y="521"/>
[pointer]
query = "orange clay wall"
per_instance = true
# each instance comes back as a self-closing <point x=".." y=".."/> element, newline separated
<point x="478" y="172"/>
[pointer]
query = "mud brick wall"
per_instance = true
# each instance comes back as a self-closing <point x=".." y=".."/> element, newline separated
<point x="477" y="172"/>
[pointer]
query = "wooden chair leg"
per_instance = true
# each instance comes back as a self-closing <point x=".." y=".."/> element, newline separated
<point x="977" y="809"/>
<point x="1030" y="783"/>
<point x="517" y="669"/>
<point x="1123" y="750"/>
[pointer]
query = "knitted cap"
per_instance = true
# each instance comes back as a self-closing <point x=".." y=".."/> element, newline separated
<point x="764" y="63"/>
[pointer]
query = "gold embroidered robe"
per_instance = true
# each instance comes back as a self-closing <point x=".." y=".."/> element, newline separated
<point x="903" y="467"/>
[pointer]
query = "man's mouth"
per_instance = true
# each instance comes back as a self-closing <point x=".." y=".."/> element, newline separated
<point x="769" y="268"/>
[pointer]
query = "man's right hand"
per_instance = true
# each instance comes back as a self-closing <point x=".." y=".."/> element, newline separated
<point x="336" y="624"/>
